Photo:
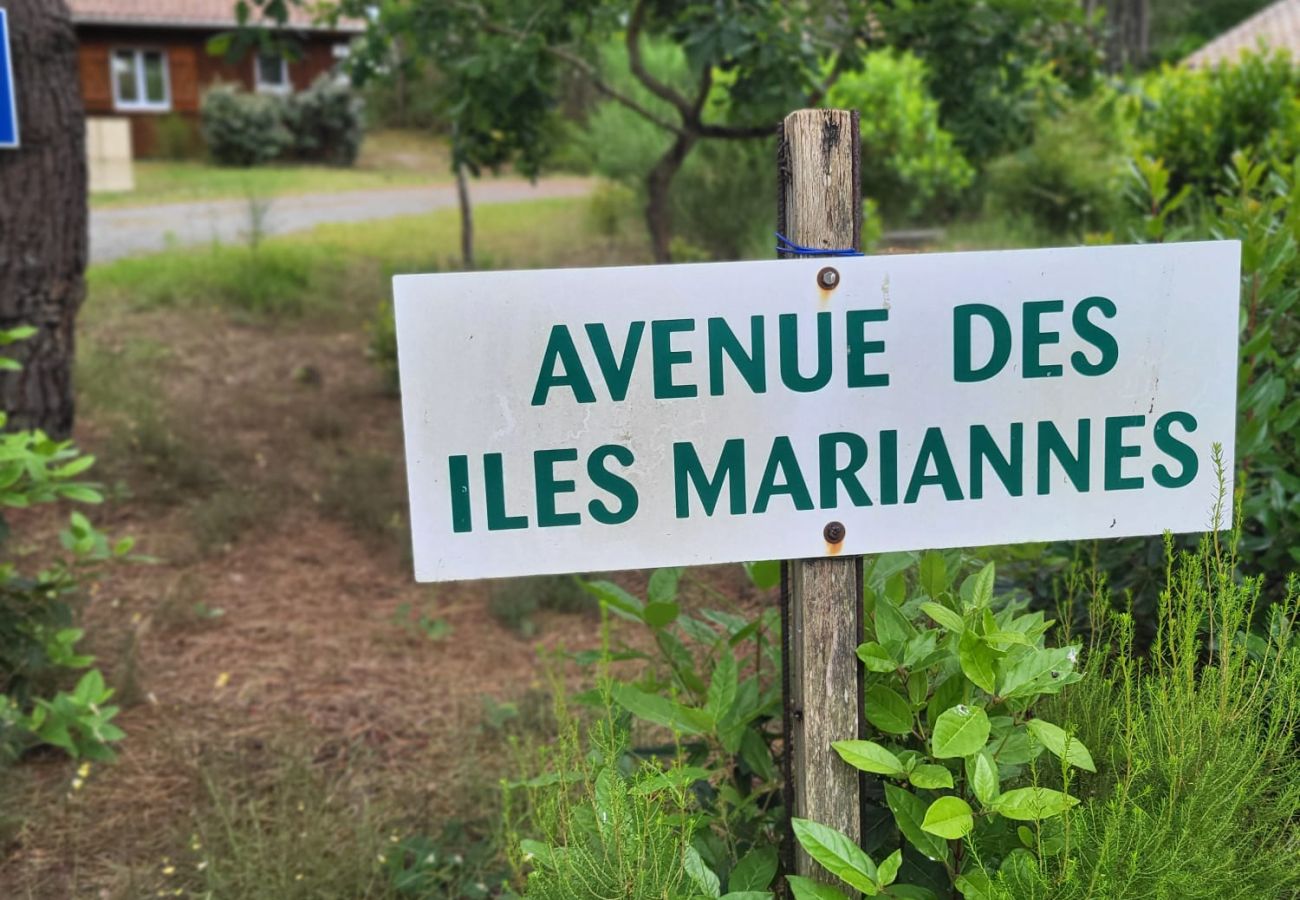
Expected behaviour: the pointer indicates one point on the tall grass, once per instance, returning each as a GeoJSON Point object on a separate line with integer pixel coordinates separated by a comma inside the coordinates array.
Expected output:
{"type": "Point", "coordinates": [1199, 788]}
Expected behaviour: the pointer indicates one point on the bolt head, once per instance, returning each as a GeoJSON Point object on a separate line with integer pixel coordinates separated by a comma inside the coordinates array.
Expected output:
{"type": "Point", "coordinates": [828, 278]}
{"type": "Point", "coordinates": [833, 532]}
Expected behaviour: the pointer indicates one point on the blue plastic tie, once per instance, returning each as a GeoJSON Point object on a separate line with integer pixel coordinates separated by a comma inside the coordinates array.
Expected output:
{"type": "Point", "coordinates": [785, 245]}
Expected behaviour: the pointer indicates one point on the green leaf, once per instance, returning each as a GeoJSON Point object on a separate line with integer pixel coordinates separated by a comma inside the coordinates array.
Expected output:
{"type": "Point", "coordinates": [1038, 672]}
{"type": "Point", "coordinates": [616, 600]}
{"type": "Point", "coordinates": [977, 660]}
{"type": "Point", "coordinates": [909, 812]}
{"type": "Point", "coordinates": [975, 885]}
{"type": "Point", "coordinates": [661, 615]}
{"type": "Point", "coordinates": [949, 817]}
{"type": "Point", "coordinates": [764, 575]}
{"type": "Point", "coordinates": [982, 775]}
{"type": "Point", "coordinates": [755, 870]}
{"type": "Point", "coordinates": [807, 889]}
{"type": "Point", "coordinates": [660, 710]}
{"type": "Point", "coordinates": [960, 731]}
{"type": "Point", "coordinates": [934, 574]}
{"type": "Point", "coordinates": [837, 854]}
{"type": "Point", "coordinates": [757, 755]}
{"type": "Point", "coordinates": [868, 756]}
{"type": "Point", "coordinates": [1032, 803]}
{"type": "Point", "coordinates": [701, 874]}
{"type": "Point", "coordinates": [672, 778]}
{"type": "Point", "coordinates": [663, 585]}
{"type": "Point", "coordinates": [930, 777]}
{"type": "Point", "coordinates": [747, 895]}
{"type": "Point", "coordinates": [944, 616]}
{"type": "Point", "coordinates": [887, 710]}
{"type": "Point", "coordinates": [722, 686]}
{"type": "Point", "coordinates": [893, 630]}
{"type": "Point", "coordinates": [888, 870]}
{"type": "Point", "coordinates": [981, 592]}
{"type": "Point", "coordinates": [1061, 745]}
{"type": "Point", "coordinates": [876, 658]}
{"type": "Point", "coordinates": [80, 492]}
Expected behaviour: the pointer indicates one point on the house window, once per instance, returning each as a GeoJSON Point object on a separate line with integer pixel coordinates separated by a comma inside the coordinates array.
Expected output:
{"type": "Point", "coordinates": [272, 74]}
{"type": "Point", "coordinates": [140, 80]}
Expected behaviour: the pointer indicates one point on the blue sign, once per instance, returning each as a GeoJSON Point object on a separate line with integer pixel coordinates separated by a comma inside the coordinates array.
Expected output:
{"type": "Point", "coordinates": [8, 109]}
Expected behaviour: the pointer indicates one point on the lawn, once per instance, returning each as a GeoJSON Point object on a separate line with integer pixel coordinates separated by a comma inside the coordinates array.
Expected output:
{"type": "Point", "coordinates": [388, 159]}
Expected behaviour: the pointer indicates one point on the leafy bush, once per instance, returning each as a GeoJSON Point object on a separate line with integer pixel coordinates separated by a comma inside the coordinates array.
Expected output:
{"type": "Point", "coordinates": [243, 129]}
{"type": "Point", "coordinates": [175, 138]}
{"type": "Point", "coordinates": [954, 686]}
{"type": "Point", "coordinates": [910, 164]}
{"type": "Point", "coordinates": [1195, 120]}
{"type": "Point", "coordinates": [325, 121]}
{"type": "Point", "coordinates": [38, 633]}
{"type": "Point", "coordinates": [320, 124]}
{"type": "Point", "coordinates": [1069, 179]}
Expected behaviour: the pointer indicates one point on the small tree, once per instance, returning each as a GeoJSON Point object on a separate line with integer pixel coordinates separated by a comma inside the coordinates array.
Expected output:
{"type": "Point", "coordinates": [43, 218]}
{"type": "Point", "coordinates": [506, 63]}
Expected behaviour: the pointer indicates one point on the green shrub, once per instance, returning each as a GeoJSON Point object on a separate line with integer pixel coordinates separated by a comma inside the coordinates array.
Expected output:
{"type": "Point", "coordinates": [1198, 794]}
{"type": "Point", "coordinates": [325, 121]}
{"type": "Point", "coordinates": [910, 164]}
{"type": "Point", "coordinates": [1069, 179]}
{"type": "Point", "coordinates": [243, 129]}
{"type": "Point", "coordinates": [1194, 120]}
{"type": "Point", "coordinates": [38, 633]}
{"type": "Point", "coordinates": [176, 139]}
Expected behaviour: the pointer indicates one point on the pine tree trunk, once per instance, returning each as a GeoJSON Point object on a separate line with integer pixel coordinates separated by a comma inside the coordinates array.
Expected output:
{"type": "Point", "coordinates": [43, 224]}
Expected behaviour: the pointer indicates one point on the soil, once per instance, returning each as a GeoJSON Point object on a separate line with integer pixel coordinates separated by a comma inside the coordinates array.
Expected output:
{"type": "Point", "coordinates": [282, 602]}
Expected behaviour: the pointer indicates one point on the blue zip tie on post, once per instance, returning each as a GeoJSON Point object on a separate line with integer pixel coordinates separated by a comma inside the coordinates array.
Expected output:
{"type": "Point", "coordinates": [785, 245]}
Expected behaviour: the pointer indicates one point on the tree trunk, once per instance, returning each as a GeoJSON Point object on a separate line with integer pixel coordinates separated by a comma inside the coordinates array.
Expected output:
{"type": "Point", "coordinates": [466, 218]}
{"type": "Point", "coordinates": [659, 182]}
{"type": "Point", "coordinates": [43, 216]}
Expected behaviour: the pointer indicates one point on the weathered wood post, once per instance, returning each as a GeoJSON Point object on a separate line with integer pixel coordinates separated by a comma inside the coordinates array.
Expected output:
{"type": "Point", "coordinates": [820, 206]}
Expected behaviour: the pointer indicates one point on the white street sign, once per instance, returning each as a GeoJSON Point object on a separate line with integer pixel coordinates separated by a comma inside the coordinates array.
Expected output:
{"type": "Point", "coordinates": [590, 419]}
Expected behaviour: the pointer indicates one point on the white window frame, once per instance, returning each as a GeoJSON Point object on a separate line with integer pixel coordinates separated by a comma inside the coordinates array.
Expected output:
{"type": "Point", "coordinates": [143, 103]}
{"type": "Point", "coordinates": [267, 87]}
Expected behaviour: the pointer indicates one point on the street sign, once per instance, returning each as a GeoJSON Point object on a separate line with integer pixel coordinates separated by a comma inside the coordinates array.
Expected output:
{"type": "Point", "coordinates": [591, 419]}
{"type": "Point", "coordinates": [8, 109]}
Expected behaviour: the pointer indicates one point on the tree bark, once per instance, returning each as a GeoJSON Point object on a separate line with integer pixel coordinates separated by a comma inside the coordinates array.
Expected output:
{"type": "Point", "coordinates": [658, 208]}
{"type": "Point", "coordinates": [43, 219]}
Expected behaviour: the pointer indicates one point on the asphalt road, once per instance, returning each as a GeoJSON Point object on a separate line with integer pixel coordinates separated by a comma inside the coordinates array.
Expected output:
{"type": "Point", "coordinates": [130, 231]}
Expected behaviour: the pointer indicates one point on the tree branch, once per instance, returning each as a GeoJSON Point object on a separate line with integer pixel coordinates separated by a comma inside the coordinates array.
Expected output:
{"type": "Point", "coordinates": [637, 64]}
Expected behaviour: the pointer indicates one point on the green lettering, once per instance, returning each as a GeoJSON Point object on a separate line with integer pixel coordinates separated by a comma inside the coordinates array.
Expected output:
{"type": "Point", "coordinates": [963, 318]}
{"type": "Point", "coordinates": [782, 462]}
{"type": "Point", "coordinates": [665, 357]}
{"type": "Point", "coordinates": [687, 468]}
{"type": "Point", "coordinates": [1176, 449]}
{"type": "Point", "coordinates": [751, 366]}
{"type": "Point", "coordinates": [560, 349]}
{"type": "Point", "coordinates": [888, 468]}
{"type": "Point", "coordinates": [617, 373]}
{"type": "Point", "coordinates": [1076, 466]}
{"type": "Point", "coordinates": [461, 518]}
{"type": "Point", "coordinates": [1099, 337]}
{"type": "Point", "coordinates": [548, 486]}
{"type": "Point", "coordinates": [494, 483]}
{"type": "Point", "coordinates": [790, 376]}
{"type": "Point", "coordinates": [1010, 469]}
{"type": "Point", "coordinates": [1117, 451]}
{"type": "Point", "coordinates": [856, 321]}
{"type": "Point", "coordinates": [1036, 338]}
{"type": "Point", "coordinates": [616, 485]}
{"type": "Point", "coordinates": [933, 448]}
{"type": "Point", "coordinates": [832, 474]}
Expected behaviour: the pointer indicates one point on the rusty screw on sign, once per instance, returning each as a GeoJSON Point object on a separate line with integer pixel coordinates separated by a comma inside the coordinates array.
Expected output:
{"type": "Point", "coordinates": [828, 278]}
{"type": "Point", "coordinates": [833, 532]}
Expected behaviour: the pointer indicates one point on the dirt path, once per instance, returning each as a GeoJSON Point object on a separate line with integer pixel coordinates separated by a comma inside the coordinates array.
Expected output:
{"type": "Point", "coordinates": [129, 231]}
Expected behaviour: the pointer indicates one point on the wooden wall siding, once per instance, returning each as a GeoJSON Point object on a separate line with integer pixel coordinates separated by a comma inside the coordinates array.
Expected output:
{"type": "Point", "coordinates": [191, 70]}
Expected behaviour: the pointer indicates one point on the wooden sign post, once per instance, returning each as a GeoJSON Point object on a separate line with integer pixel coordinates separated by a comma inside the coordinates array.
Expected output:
{"type": "Point", "coordinates": [820, 207]}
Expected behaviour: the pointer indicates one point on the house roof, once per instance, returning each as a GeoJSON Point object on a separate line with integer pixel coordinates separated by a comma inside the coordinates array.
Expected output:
{"type": "Point", "coordinates": [192, 14]}
{"type": "Point", "coordinates": [1276, 27]}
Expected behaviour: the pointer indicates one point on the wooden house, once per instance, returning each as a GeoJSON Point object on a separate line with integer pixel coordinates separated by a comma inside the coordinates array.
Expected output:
{"type": "Point", "coordinates": [148, 60]}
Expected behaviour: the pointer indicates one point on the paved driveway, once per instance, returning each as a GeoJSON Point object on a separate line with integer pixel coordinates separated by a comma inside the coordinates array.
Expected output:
{"type": "Point", "coordinates": [129, 231]}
